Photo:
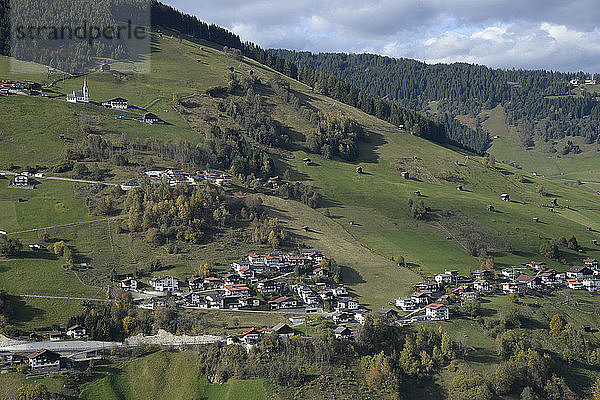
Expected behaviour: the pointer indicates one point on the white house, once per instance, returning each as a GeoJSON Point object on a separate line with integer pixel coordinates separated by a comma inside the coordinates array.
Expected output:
{"type": "Point", "coordinates": [514, 287]}
{"type": "Point", "coordinates": [164, 283]}
{"type": "Point", "coordinates": [80, 96]}
{"type": "Point", "coordinates": [592, 284]}
{"type": "Point", "coordinates": [482, 286]}
{"type": "Point", "coordinates": [347, 304]}
{"type": "Point", "coordinates": [44, 361]}
{"type": "Point", "coordinates": [406, 303]}
{"type": "Point", "coordinates": [21, 180]}
{"type": "Point", "coordinates": [77, 332]}
{"type": "Point", "coordinates": [579, 272]}
{"type": "Point", "coordinates": [118, 103]}
{"type": "Point", "coordinates": [129, 283]}
{"type": "Point", "coordinates": [437, 312]}
{"type": "Point", "coordinates": [444, 279]}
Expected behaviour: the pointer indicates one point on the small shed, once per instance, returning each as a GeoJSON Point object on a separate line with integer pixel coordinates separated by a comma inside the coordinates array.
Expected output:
{"type": "Point", "coordinates": [405, 175]}
{"type": "Point", "coordinates": [307, 161]}
{"type": "Point", "coordinates": [359, 170]}
{"type": "Point", "coordinates": [505, 197]}
{"type": "Point", "coordinates": [536, 219]}
{"type": "Point", "coordinates": [594, 242]}
{"type": "Point", "coordinates": [490, 208]}
{"type": "Point", "coordinates": [553, 201]}
{"type": "Point", "coordinates": [418, 193]}
{"type": "Point", "coordinates": [459, 188]}
{"type": "Point", "coordinates": [589, 228]}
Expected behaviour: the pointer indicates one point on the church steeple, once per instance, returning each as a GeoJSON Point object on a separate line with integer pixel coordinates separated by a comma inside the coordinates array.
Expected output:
{"type": "Point", "coordinates": [86, 94]}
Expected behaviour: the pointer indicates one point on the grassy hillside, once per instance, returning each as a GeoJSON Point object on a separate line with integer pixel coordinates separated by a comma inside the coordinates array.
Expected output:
{"type": "Point", "coordinates": [376, 202]}
{"type": "Point", "coordinates": [584, 167]}
{"type": "Point", "coordinates": [169, 375]}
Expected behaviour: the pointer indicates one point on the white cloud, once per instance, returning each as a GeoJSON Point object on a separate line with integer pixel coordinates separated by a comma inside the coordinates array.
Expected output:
{"type": "Point", "coordinates": [549, 34]}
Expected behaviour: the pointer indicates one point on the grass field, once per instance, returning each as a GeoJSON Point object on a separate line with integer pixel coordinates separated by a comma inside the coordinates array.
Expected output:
{"type": "Point", "coordinates": [585, 167]}
{"type": "Point", "coordinates": [172, 375]}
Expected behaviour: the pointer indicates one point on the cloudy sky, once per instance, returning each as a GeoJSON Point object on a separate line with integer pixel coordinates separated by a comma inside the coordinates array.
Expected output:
{"type": "Point", "coordinates": [540, 34]}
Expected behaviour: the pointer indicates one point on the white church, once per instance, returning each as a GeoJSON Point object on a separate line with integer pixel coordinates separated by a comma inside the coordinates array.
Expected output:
{"type": "Point", "coordinates": [80, 96]}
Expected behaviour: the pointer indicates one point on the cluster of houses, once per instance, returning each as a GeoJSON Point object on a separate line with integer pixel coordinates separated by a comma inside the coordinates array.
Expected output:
{"type": "Point", "coordinates": [19, 87]}
{"type": "Point", "coordinates": [429, 300]}
{"type": "Point", "coordinates": [257, 282]}
{"type": "Point", "coordinates": [24, 180]}
{"type": "Point", "coordinates": [176, 177]}
{"type": "Point", "coordinates": [584, 277]}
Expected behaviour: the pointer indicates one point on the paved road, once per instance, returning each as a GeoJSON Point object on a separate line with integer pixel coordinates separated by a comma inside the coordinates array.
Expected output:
{"type": "Point", "coordinates": [70, 224]}
{"type": "Point", "coordinates": [59, 178]}
{"type": "Point", "coordinates": [37, 296]}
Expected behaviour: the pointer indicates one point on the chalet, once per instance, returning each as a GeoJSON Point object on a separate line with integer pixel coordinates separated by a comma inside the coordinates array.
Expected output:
{"type": "Point", "coordinates": [406, 303]}
{"type": "Point", "coordinates": [532, 282]}
{"type": "Point", "coordinates": [249, 302]}
{"type": "Point", "coordinates": [574, 284]}
{"type": "Point", "coordinates": [320, 272]}
{"type": "Point", "coordinates": [386, 313]}
{"type": "Point", "coordinates": [129, 284]}
{"type": "Point", "coordinates": [194, 299]}
{"type": "Point", "coordinates": [579, 273]}
{"type": "Point", "coordinates": [325, 294]}
{"type": "Point", "coordinates": [347, 304]}
{"type": "Point", "coordinates": [164, 283]}
{"type": "Point", "coordinates": [514, 287]}
{"type": "Point", "coordinates": [54, 336]}
{"type": "Point", "coordinates": [231, 279]}
{"type": "Point", "coordinates": [592, 284]}
{"type": "Point", "coordinates": [342, 317]}
{"type": "Point", "coordinates": [548, 276]}
{"type": "Point", "coordinates": [80, 96]}
{"type": "Point", "coordinates": [591, 263]}
{"type": "Point", "coordinates": [252, 335]}
{"type": "Point", "coordinates": [282, 302]}
{"type": "Point", "coordinates": [44, 361]}
{"type": "Point", "coordinates": [150, 118]}
{"type": "Point", "coordinates": [482, 286]}
{"type": "Point", "coordinates": [267, 287]}
{"type": "Point", "coordinates": [21, 180]}
{"type": "Point", "coordinates": [420, 298]}
{"type": "Point", "coordinates": [77, 332]}
{"type": "Point", "coordinates": [536, 265]}
{"type": "Point", "coordinates": [195, 283]}
{"type": "Point", "coordinates": [468, 297]}
{"type": "Point", "coordinates": [343, 332]}
{"type": "Point", "coordinates": [212, 282]}
{"type": "Point", "coordinates": [482, 274]}
{"type": "Point", "coordinates": [283, 329]}
{"type": "Point", "coordinates": [237, 291]}
{"type": "Point", "coordinates": [430, 285]}
{"type": "Point", "coordinates": [437, 312]}
{"type": "Point", "coordinates": [118, 103]}
{"type": "Point", "coordinates": [443, 279]}
{"type": "Point", "coordinates": [360, 315]}
{"type": "Point", "coordinates": [510, 273]}
{"type": "Point", "coordinates": [215, 301]}
{"type": "Point", "coordinates": [338, 291]}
